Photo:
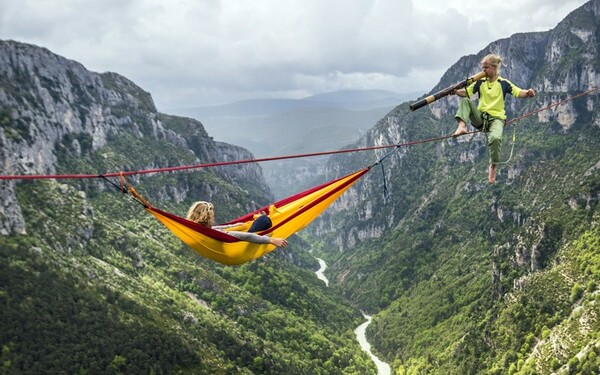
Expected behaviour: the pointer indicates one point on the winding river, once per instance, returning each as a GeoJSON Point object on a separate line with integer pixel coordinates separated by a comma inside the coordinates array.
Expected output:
{"type": "Point", "coordinates": [382, 367]}
{"type": "Point", "coordinates": [320, 273]}
{"type": "Point", "coordinates": [360, 331]}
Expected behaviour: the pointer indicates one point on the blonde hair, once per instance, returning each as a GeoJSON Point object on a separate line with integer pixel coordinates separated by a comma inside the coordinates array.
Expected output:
{"type": "Point", "coordinates": [493, 60]}
{"type": "Point", "coordinates": [202, 213]}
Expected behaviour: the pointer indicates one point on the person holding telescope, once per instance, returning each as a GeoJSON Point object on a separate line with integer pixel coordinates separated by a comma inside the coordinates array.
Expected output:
{"type": "Point", "coordinates": [489, 116]}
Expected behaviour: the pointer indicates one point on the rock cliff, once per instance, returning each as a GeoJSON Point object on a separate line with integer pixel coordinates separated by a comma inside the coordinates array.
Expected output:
{"type": "Point", "coordinates": [557, 64]}
{"type": "Point", "coordinates": [53, 110]}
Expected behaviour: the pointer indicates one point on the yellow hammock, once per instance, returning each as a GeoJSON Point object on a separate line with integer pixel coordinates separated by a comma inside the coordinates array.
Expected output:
{"type": "Point", "coordinates": [288, 216]}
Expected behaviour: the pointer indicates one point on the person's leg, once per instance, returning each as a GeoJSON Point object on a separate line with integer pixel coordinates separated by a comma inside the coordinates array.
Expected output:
{"type": "Point", "coordinates": [492, 174]}
{"type": "Point", "coordinates": [495, 145]}
{"type": "Point", "coordinates": [263, 222]}
{"type": "Point", "coordinates": [467, 111]}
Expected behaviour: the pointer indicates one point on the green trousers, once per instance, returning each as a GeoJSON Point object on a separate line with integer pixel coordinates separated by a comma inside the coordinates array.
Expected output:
{"type": "Point", "coordinates": [467, 111]}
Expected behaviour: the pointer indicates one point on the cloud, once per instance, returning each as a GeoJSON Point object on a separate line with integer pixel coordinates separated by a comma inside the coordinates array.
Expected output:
{"type": "Point", "coordinates": [191, 53]}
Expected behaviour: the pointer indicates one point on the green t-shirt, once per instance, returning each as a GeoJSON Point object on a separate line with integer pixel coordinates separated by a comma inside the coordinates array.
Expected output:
{"type": "Point", "coordinates": [492, 94]}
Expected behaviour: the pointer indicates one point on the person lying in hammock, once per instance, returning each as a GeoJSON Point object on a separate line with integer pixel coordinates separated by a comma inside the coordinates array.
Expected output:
{"type": "Point", "coordinates": [203, 213]}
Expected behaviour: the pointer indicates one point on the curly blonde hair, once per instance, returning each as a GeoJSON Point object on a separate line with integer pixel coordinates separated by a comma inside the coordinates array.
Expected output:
{"type": "Point", "coordinates": [202, 213]}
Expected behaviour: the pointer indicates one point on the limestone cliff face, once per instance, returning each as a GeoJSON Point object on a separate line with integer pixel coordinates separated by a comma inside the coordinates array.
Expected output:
{"type": "Point", "coordinates": [557, 64]}
{"type": "Point", "coordinates": [51, 106]}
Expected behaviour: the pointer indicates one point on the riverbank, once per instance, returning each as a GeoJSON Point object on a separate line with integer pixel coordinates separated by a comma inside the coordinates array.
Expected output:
{"type": "Point", "coordinates": [321, 271]}
{"type": "Point", "coordinates": [360, 331]}
{"type": "Point", "coordinates": [361, 335]}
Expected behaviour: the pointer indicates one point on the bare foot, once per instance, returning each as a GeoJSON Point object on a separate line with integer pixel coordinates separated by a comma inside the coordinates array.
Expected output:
{"type": "Point", "coordinates": [492, 174]}
{"type": "Point", "coordinates": [461, 130]}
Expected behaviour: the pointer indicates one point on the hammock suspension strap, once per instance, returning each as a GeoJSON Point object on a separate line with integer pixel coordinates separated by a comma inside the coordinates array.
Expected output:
{"type": "Point", "coordinates": [118, 187]}
{"type": "Point", "coordinates": [126, 188]}
{"type": "Point", "coordinates": [380, 161]}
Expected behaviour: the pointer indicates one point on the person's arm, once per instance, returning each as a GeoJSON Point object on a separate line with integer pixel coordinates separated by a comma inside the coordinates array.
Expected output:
{"type": "Point", "coordinates": [225, 226]}
{"type": "Point", "coordinates": [460, 92]}
{"type": "Point", "coordinates": [255, 238]}
{"type": "Point", "coordinates": [466, 92]}
{"type": "Point", "coordinates": [530, 93]}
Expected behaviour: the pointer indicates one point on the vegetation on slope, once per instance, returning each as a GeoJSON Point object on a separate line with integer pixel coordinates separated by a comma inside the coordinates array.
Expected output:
{"type": "Point", "coordinates": [475, 278]}
{"type": "Point", "coordinates": [97, 285]}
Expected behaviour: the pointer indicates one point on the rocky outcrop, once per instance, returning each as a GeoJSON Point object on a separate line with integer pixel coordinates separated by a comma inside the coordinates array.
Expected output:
{"type": "Point", "coordinates": [557, 64]}
{"type": "Point", "coordinates": [50, 106]}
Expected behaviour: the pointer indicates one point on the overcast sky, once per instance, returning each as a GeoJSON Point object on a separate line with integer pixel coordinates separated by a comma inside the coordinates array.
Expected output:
{"type": "Point", "coordinates": [189, 53]}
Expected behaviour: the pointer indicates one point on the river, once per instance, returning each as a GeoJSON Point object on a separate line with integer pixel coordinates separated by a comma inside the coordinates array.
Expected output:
{"type": "Point", "coordinates": [360, 331]}
{"type": "Point", "coordinates": [320, 273]}
{"type": "Point", "coordinates": [382, 367]}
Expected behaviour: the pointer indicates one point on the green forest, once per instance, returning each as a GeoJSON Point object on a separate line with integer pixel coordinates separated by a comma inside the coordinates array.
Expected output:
{"type": "Point", "coordinates": [131, 299]}
{"type": "Point", "coordinates": [506, 280]}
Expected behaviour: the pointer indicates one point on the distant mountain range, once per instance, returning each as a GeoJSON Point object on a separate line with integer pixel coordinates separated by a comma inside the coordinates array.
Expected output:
{"type": "Point", "coordinates": [263, 125]}
{"type": "Point", "coordinates": [356, 100]}
{"type": "Point", "coordinates": [274, 127]}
